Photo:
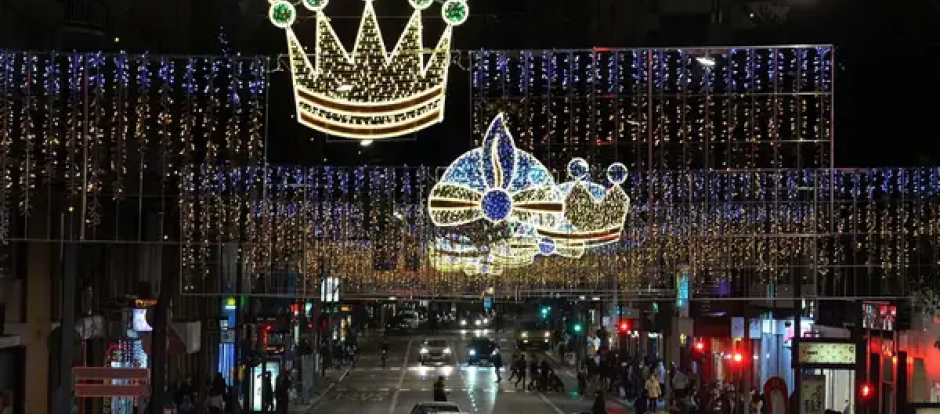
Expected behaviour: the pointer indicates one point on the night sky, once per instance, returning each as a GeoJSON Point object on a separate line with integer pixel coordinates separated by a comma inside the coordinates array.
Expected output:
{"type": "Point", "coordinates": [885, 82]}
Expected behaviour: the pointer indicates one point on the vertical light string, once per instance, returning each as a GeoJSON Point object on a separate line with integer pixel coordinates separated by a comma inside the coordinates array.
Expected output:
{"type": "Point", "coordinates": [119, 124]}
{"type": "Point", "coordinates": [96, 138]}
{"type": "Point", "coordinates": [27, 130]}
{"type": "Point", "coordinates": [7, 86]}
{"type": "Point", "coordinates": [51, 124]}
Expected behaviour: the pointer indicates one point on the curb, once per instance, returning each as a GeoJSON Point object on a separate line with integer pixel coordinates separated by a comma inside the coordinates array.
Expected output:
{"type": "Point", "coordinates": [316, 400]}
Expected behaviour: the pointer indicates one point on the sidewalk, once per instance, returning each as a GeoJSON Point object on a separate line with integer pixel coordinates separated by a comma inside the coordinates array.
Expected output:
{"type": "Point", "coordinates": [324, 385]}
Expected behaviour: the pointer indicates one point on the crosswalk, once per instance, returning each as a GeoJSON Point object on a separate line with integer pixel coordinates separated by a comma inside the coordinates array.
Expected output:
{"type": "Point", "coordinates": [429, 389]}
{"type": "Point", "coordinates": [424, 368]}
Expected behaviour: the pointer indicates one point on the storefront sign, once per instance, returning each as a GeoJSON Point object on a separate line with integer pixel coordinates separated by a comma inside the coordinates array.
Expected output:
{"type": "Point", "coordinates": [879, 316]}
{"type": "Point", "coordinates": [826, 353]}
{"type": "Point", "coordinates": [813, 394]}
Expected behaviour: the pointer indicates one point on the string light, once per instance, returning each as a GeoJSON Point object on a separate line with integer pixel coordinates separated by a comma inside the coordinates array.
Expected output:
{"type": "Point", "coordinates": [368, 93]}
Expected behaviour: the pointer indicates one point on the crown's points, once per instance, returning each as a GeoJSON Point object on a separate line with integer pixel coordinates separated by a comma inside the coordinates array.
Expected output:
{"type": "Point", "coordinates": [587, 214]}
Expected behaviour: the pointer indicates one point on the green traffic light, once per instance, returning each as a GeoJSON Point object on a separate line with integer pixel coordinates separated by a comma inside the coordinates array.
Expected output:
{"type": "Point", "coordinates": [577, 327]}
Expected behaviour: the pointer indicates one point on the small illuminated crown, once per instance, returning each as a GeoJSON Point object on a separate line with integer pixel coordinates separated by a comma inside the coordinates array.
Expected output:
{"type": "Point", "coordinates": [369, 93]}
{"type": "Point", "coordinates": [596, 215]}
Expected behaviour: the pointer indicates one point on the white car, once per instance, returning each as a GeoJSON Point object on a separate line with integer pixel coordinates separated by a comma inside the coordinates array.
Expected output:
{"type": "Point", "coordinates": [435, 407]}
{"type": "Point", "coordinates": [475, 322]}
{"type": "Point", "coordinates": [411, 318]}
{"type": "Point", "coordinates": [435, 351]}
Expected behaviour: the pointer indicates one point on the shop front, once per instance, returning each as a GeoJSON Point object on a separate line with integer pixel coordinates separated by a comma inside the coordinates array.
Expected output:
{"type": "Point", "coordinates": [12, 371]}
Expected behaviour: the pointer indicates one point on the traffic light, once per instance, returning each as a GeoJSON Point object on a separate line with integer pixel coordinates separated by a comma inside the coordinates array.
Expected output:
{"type": "Point", "coordinates": [545, 310]}
{"type": "Point", "coordinates": [866, 392]}
{"type": "Point", "coordinates": [577, 328]}
{"type": "Point", "coordinates": [737, 357]}
{"type": "Point", "coordinates": [623, 327]}
{"type": "Point", "coordinates": [698, 351]}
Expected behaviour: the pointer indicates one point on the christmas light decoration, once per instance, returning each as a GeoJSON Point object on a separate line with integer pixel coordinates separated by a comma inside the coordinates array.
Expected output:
{"type": "Point", "coordinates": [593, 216]}
{"type": "Point", "coordinates": [369, 93]}
{"type": "Point", "coordinates": [496, 182]}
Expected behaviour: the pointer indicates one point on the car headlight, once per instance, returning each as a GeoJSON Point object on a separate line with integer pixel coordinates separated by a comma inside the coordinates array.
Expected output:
{"type": "Point", "coordinates": [548, 334]}
{"type": "Point", "coordinates": [447, 350]}
{"type": "Point", "coordinates": [473, 352]}
{"type": "Point", "coordinates": [486, 320]}
{"type": "Point", "coordinates": [463, 322]}
{"type": "Point", "coordinates": [525, 334]}
{"type": "Point", "coordinates": [478, 322]}
{"type": "Point", "coordinates": [424, 350]}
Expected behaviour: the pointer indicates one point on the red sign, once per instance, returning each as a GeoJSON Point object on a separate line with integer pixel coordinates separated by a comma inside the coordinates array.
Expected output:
{"type": "Point", "coordinates": [107, 390]}
{"type": "Point", "coordinates": [108, 373]}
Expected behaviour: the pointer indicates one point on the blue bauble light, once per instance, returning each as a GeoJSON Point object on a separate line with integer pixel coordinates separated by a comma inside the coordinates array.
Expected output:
{"type": "Point", "coordinates": [617, 173]}
{"type": "Point", "coordinates": [578, 168]}
{"type": "Point", "coordinates": [496, 205]}
{"type": "Point", "coordinates": [547, 247]}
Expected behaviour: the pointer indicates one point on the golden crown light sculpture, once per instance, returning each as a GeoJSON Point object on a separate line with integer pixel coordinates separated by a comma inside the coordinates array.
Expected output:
{"type": "Point", "coordinates": [368, 93]}
{"type": "Point", "coordinates": [593, 215]}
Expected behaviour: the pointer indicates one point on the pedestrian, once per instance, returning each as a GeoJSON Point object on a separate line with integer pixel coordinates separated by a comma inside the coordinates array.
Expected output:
{"type": "Point", "coordinates": [533, 372]}
{"type": "Point", "coordinates": [282, 392]}
{"type": "Point", "coordinates": [185, 396]}
{"type": "Point", "coordinates": [600, 404]}
{"type": "Point", "coordinates": [582, 382]}
{"type": "Point", "coordinates": [497, 363]}
{"type": "Point", "coordinates": [520, 370]}
{"type": "Point", "coordinates": [439, 394]}
{"type": "Point", "coordinates": [653, 391]}
{"type": "Point", "coordinates": [216, 395]}
{"type": "Point", "coordinates": [514, 367]}
{"type": "Point", "coordinates": [267, 392]}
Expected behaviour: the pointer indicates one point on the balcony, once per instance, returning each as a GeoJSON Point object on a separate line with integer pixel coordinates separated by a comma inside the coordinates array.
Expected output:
{"type": "Point", "coordinates": [89, 17]}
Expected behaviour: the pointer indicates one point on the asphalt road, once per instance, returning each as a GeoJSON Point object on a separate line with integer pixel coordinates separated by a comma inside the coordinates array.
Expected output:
{"type": "Point", "coordinates": [395, 389]}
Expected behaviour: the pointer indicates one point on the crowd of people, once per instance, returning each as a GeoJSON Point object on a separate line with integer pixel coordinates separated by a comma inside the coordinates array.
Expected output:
{"type": "Point", "coordinates": [218, 397]}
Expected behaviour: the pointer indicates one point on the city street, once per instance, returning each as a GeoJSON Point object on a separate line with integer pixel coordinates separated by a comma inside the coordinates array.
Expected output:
{"type": "Point", "coordinates": [395, 389]}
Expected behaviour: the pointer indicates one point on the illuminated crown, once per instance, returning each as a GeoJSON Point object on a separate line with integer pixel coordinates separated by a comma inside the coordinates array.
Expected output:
{"type": "Point", "coordinates": [593, 215]}
{"type": "Point", "coordinates": [369, 93]}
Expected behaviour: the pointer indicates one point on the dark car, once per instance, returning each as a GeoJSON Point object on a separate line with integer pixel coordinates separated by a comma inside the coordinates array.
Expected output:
{"type": "Point", "coordinates": [479, 350]}
{"type": "Point", "coordinates": [533, 335]}
{"type": "Point", "coordinates": [397, 326]}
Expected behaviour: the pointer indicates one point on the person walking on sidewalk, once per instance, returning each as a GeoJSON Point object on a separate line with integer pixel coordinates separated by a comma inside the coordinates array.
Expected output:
{"type": "Point", "coordinates": [497, 363]}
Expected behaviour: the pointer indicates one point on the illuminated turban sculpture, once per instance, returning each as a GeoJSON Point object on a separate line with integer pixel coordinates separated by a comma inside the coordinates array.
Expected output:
{"type": "Point", "coordinates": [496, 182]}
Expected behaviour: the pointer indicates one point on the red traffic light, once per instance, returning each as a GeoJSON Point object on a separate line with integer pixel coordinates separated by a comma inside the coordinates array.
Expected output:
{"type": "Point", "coordinates": [866, 391]}
{"type": "Point", "coordinates": [737, 357]}
{"type": "Point", "coordinates": [699, 346]}
{"type": "Point", "coordinates": [623, 327]}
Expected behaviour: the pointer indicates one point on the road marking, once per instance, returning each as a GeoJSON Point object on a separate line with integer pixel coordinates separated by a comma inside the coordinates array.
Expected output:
{"type": "Point", "coordinates": [551, 404]}
{"type": "Point", "coordinates": [401, 379]}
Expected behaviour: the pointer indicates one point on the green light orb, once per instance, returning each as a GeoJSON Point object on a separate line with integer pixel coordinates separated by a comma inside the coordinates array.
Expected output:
{"type": "Point", "coordinates": [282, 14]}
{"type": "Point", "coordinates": [455, 12]}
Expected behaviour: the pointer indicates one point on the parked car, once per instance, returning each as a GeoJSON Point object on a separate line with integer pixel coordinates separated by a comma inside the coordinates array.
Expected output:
{"type": "Point", "coordinates": [397, 326]}
{"type": "Point", "coordinates": [411, 318]}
